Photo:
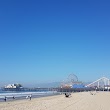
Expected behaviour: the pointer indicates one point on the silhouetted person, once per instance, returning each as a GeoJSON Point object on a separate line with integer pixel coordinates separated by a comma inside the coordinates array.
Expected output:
{"type": "Point", "coordinates": [30, 97]}
{"type": "Point", "coordinates": [5, 98]}
{"type": "Point", "coordinates": [13, 97]}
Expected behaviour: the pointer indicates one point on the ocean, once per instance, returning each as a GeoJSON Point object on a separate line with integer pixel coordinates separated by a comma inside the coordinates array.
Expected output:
{"type": "Point", "coordinates": [22, 95]}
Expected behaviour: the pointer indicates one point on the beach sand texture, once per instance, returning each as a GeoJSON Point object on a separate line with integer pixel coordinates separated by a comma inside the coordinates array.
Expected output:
{"type": "Point", "coordinates": [78, 101]}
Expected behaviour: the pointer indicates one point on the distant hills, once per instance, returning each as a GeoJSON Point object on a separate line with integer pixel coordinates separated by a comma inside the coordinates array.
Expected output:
{"type": "Point", "coordinates": [43, 85]}
{"type": "Point", "coordinates": [51, 84]}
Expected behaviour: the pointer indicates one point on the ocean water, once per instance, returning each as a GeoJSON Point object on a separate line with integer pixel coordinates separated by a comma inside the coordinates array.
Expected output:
{"type": "Point", "coordinates": [22, 95]}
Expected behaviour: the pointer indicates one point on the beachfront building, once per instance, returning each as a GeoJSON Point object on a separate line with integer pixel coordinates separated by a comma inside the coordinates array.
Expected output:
{"type": "Point", "coordinates": [13, 87]}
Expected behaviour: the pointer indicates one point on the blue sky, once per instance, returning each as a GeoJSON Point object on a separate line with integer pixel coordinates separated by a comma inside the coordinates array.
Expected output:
{"type": "Point", "coordinates": [46, 40]}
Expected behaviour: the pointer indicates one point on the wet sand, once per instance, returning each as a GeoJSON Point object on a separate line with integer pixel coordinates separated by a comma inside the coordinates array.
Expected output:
{"type": "Point", "coordinates": [77, 101]}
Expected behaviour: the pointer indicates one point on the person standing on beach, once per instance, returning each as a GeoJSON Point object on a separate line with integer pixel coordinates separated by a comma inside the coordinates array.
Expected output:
{"type": "Point", "coordinates": [30, 97]}
{"type": "Point", "coordinates": [5, 98]}
{"type": "Point", "coordinates": [13, 97]}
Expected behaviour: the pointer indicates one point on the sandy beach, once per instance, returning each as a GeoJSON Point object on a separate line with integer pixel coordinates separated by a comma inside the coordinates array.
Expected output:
{"type": "Point", "coordinates": [77, 101]}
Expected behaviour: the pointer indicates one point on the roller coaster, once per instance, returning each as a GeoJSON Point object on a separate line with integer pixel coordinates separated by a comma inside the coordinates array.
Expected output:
{"type": "Point", "coordinates": [100, 83]}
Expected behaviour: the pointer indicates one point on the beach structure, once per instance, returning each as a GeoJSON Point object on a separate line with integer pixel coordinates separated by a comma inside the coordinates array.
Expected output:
{"type": "Point", "coordinates": [80, 86]}
{"type": "Point", "coordinates": [13, 87]}
{"type": "Point", "coordinates": [102, 83]}
{"type": "Point", "coordinates": [68, 81]}
{"type": "Point", "coordinates": [71, 80]}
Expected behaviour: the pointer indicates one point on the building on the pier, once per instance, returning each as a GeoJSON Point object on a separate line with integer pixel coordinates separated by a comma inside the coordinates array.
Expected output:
{"type": "Point", "coordinates": [13, 87]}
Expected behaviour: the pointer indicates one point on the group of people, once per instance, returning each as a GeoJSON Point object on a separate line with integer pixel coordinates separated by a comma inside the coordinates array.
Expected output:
{"type": "Point", "coordinates": [67, 94]}
{"type": "Point", "coordinates": [30, 97]}
{"type": "Point", "coordinates": [5, 98]}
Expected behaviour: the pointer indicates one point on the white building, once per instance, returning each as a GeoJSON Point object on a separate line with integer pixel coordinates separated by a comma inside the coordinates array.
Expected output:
{"type": "Point", "coordinates": [13, 86]}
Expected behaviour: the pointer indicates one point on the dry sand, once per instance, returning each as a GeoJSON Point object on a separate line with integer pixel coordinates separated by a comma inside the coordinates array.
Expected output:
{"type": "Point", "coordinates": [78, 101]}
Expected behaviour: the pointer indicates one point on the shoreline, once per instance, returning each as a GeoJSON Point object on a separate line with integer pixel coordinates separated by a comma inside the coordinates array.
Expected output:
{"type": "Point", "coordinates": [22, 96]}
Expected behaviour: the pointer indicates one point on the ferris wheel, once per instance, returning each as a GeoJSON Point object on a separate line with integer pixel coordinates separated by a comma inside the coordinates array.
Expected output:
{"type": "Point", "coordinates": [72, 78]}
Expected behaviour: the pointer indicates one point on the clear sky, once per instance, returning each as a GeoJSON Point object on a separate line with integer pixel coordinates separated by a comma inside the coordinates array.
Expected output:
{"type": "Point", "coordinates": [46, 40]}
